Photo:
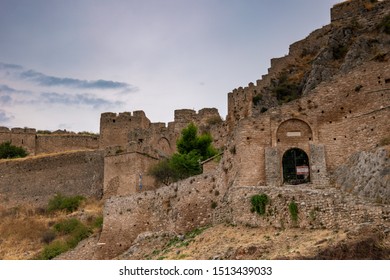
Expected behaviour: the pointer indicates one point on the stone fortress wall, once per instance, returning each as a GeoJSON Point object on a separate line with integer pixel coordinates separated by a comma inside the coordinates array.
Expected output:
{"type": "Point", "coordinates": [341, 117]}
{"type": "Point", "coordinates": [345, 114]}
{"type": "Point", "coordinates": [344, 107]}
{"type": "Point", "coordinates": [33, 181]}
{"type": "Point", "coordinates": [133, 144]}
{"type": "Point", "coordinates": [36, 144]}
{"type": "Point", "coordinates": [335, 120]}
{"type": "Point", "coordinates": [21, 137]}
{"type": "Point", "coordinates": [128, 145]}
{"type": "Point", "coordinates": [206, 199]}
{"type": "Point", "coordinates": [134, 130]}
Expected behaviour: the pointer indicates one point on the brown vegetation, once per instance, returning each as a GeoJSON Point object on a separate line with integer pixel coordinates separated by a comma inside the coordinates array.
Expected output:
{"type": "Point", "coordinates": [244, 242]}
{"type": "Point", "coordinates": [24, 230]}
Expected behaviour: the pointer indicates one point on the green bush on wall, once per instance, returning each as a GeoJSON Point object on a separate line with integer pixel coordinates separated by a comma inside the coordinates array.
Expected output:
{"type": "Point", "coordinates": [293, 209]}
{"type": "Point", "coordinates": [259, 203]}
{"type": "Point", "coordinates": [191, 150]}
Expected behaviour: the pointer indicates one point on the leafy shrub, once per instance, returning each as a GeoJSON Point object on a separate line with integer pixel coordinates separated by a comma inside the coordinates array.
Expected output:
{"type": "Point", "coordinates": [79, 233]}
{"type": "Point", "coordinates": [67, 226]}
{"type": "Point", "coordinates": [10, 151]}
{"type": "Point", "coordinates": [259, 203]}
{"type": "Point", "coordinates": [186, 165]}
{"type": "Point", "coordinates": [98, 223]}
{"type": "Point", "coordinates": [163, 172]}
{"type": "Point", "coordinates": [293, 209]}
{"type": "Point", "coordinates": [60, 202]}
{"type": "Point", "coordinates": [76, 230]}
{"type": "Point", "coordinates": [195, 232]}
{"type": "Point", "coordinates": [190, 142]}
{"type": "Point", "coordinates": [54, 249]}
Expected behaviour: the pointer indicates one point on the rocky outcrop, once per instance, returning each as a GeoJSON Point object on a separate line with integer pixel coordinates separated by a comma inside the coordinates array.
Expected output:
{"type": "Point", "coordinates": [366, 174]}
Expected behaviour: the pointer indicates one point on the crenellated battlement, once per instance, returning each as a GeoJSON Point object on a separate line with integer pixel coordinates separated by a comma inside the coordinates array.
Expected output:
{"type": "Point", "coordinates": [36, 143]}
{"type": "Point", "coordinates": [130, 131]}
{"type": "Point", "coordinates": [23, 130]}
{"type": "Point", "coordinates": [137, 118]}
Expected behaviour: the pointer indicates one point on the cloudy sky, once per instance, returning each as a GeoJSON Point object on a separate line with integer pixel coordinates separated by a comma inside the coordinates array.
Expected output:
{"type": "Point", "coordinates": [64, 62]}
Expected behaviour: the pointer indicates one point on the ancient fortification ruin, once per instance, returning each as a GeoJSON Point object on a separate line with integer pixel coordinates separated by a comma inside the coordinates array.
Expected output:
{"type": "Point", "coordinates": [313, 131]}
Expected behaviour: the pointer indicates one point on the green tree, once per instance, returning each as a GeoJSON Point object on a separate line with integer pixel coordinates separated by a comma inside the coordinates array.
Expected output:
{"type": "Point", "coordinates": [191, 150]}
{"type": "Point", "coordinates": [163, 172]}
{"type": "Point", "coordinates": [10, 151]}
{"type": "Point", "coordinates": [196, 145]}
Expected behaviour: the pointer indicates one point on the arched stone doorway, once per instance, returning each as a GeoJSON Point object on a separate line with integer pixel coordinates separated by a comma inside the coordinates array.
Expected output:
{"type": "Point", "coordinates": [295, 167]}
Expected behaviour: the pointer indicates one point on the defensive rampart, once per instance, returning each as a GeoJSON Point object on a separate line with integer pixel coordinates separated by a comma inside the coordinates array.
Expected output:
{"type": "Point", "coordinates": [35, 180]}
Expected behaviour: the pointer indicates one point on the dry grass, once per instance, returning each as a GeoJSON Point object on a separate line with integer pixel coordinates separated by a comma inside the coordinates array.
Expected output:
{"type": "Point", "coordinates": [44, 155]}
{"type": "Point", "coordinates": [241, 242]}
{"type": "Point", "coordinates": [23, 229]}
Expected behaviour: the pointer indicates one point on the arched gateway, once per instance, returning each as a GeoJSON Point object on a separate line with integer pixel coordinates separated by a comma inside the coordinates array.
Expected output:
{"type": "Point", "coordinates": [295, 167]}
{"type": "Point", "coordinates": [293, 139]}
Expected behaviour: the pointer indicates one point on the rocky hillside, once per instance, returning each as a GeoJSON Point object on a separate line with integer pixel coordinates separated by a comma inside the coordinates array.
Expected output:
{"type": "Point", "coordinates": [245, 243]}
{"type": "Point", "coordinates": [334, 49]}
{"type": "Point", "coordinates": [228, 242]}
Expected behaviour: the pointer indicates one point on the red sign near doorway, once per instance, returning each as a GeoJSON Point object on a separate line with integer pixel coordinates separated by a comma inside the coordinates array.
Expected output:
{"type": "Point", "coordinates": [302, 170]}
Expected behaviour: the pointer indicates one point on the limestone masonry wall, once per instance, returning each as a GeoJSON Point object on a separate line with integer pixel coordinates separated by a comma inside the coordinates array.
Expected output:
{"type": "Point", "coordinates": [114, 128]}
{"type": "Point", "coordinates": [51, 143]}
{"type": "Point", "coordinates": [349, 114]}
{"type": "Point", "coordinates": [127, 173]}
{"type": "Point", "coordinates": [179, 208]}
{"type": "Point", "coordinates": [22, 137]}
{"type": "Point", "coordinates": [61, 143]}
{"type": "Point", "coordinates": [205, 200]}
{"type": "Point", "coordinates": [35, 180]}
{"type": "Point", "coordinates": [316, 208]}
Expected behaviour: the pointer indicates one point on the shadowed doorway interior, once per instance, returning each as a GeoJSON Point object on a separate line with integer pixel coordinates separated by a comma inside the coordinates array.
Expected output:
{"type": "Point", "coordinates": [295, 167]}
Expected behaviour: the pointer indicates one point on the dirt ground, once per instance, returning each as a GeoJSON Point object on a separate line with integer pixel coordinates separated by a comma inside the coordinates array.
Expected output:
{"type": "Point", "coordinates": [22, 231]}
{"type": "Point", "coordinates": [243, 243]}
